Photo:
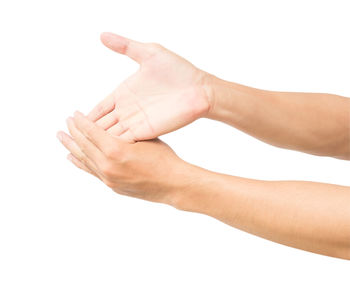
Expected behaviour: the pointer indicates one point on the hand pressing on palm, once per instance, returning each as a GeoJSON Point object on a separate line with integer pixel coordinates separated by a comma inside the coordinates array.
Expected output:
{"type": "Point", "coordinates": [165, 94]}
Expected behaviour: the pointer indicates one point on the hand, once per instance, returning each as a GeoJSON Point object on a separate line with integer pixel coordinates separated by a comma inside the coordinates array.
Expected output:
{"type": "Point", "coordinates": [165, 94]}
{"type": "Point", "coordinates": [149, 170]}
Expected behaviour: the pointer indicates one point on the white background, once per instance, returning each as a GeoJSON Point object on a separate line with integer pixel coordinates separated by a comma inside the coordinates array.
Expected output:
{"type": "Point", "coordinates": [61, 227]}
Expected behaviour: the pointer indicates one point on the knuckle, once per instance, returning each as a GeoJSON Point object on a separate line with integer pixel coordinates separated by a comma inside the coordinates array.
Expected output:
{"type": "Point", "coordinates": [110, 152]}
{"type": "Point", "coordinates": [124, 159]}
{"type": "Point", "coordinates": [113, 152]}
{"type": "Point", "coordinates": [112, 155]}
{"type": "Point", "coordinates": [83, 159]}
{"type": "Point", "coordinates": [100, 109]}
{"type": "Point", "coordinates": [107, 169]}
{"type": "Point", "coordinates": [155, 46]}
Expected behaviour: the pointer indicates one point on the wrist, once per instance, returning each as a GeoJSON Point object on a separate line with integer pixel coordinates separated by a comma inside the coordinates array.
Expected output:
{"type": "Point", "coordinates": [230, 102]}
{"type": "Point", "coordinates": [212, 86]}
{"type": "Point", "coordinates": [181, 183]}
{"type": "Point", "coordinates": [218, 91]}
{"type": "Point", "coordinates": [192, 189]}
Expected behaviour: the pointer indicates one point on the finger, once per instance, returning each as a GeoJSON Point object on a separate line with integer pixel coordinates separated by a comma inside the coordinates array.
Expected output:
{"type": "Point", "coordinates": [79, 164]}
{"type": "Point", "coordinates": [116, 130]}
{"type": "Point", "coordinates": [135, 50]}
{"type": "Point", "coordinates": [73, 148]}
{"type": "Point", "coordinates": [108, 120]}
{"type": "Point", "coordinates": [128, 136]}
{"type": "Point", "coordinates": [103, 108]}
{"type": "Point", "coordinates": [87, 147]}
{"type": "Point", "coordinates": [95, 134]}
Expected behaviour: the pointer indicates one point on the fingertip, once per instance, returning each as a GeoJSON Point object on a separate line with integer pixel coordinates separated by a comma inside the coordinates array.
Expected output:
{"type": "Point", "coordinates": [79, 114]}
{"type": "Point", "coordinates": [59, 135]}
{"type": "Point", "coordinates": [104, 35]}
{"type": "Point", "coordinates": [69, 120]}
{"type": "Point", "coordinates": [114, 42]}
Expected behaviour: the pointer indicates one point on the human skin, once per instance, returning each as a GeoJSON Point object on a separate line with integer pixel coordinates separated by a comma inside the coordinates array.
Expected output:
{"type": "Point", "coordinates": [108, 144]}
{"type": "Point", "coordinates": [306, 215]}
{"type": "Point", "coordinates": [168, 92]}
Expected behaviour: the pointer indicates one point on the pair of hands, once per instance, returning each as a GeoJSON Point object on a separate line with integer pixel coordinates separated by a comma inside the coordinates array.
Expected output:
{"type": "Point", "coordinates": [113, 142]}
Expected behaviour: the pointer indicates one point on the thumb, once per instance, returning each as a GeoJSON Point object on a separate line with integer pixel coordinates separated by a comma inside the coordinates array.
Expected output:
{"type": "Point", "coordinates": [135, 50]}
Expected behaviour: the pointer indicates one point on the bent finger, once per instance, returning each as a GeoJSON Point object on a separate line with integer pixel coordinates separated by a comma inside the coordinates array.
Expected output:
{"type": "Point", "coordinates": [98, 136]}
{"type": "Point", "coordinates": [102, 108]}
{"type": "Point", "coordinates": [108, 120]}
{"type": "Point", "coordinates": [117, 129]}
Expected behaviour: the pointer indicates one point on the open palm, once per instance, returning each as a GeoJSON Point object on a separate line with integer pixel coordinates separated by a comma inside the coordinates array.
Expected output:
{"type": "Point", "coordinates": [166, 93]}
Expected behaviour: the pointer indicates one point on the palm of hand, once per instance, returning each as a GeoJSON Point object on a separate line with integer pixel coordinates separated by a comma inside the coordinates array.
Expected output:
{"type": "Point", "coordinates": [166, 93]}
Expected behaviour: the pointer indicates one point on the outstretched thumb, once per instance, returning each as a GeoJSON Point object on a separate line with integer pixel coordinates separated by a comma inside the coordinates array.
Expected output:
{"type": "Point", "coordinates": [135, 50]}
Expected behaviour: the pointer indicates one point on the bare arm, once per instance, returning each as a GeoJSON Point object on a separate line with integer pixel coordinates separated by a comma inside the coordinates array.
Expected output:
{"type": "Point", "coordinates": [306, 215]}
{"type": "Point", "coordinates": [158, 99]}
{"type": "Point", "coordinates": [310, 122]}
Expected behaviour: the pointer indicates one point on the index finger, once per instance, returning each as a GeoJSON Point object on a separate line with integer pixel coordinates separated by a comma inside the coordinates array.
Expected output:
{"type": "Point", "coordinates": [97, 135]}
{"type": "Point", "coordinates": [104, 107]}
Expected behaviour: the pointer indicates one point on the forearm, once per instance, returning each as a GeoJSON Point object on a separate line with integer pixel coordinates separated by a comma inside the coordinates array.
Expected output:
{"type": "Point", "coordinates": [309, 122]}
{"type": "Point", "coordinates": [306, 215]}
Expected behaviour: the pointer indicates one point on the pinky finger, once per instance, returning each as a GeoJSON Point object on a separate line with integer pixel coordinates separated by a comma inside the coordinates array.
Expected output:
{"type": "Point", "coordinates": [80, 165]}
